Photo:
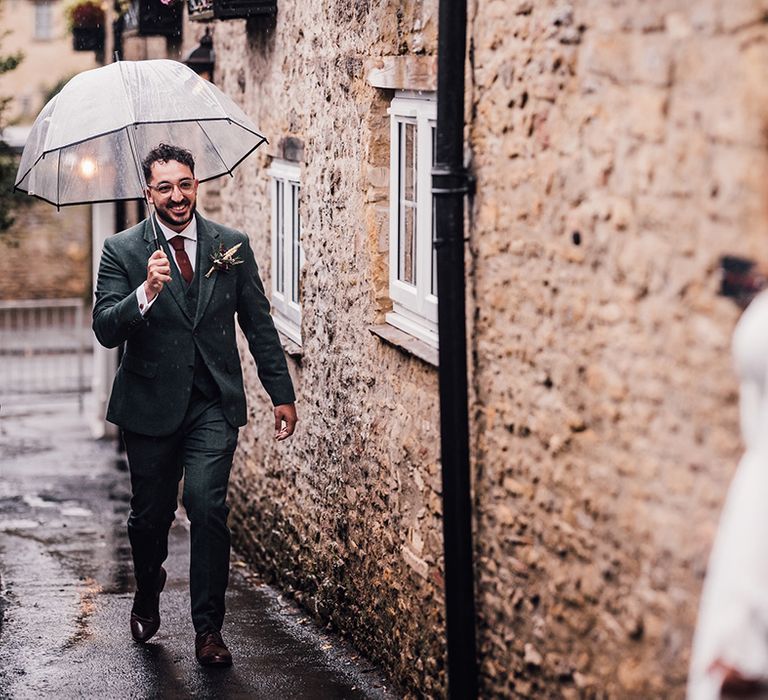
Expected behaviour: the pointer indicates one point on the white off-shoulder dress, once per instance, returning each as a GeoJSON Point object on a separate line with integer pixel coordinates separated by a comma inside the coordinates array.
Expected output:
{"type": "Point", "coordinates": [733, 616]}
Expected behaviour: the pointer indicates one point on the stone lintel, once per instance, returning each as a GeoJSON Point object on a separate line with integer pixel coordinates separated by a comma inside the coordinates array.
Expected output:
{"type": "Point", "coordinates": [402, 72]}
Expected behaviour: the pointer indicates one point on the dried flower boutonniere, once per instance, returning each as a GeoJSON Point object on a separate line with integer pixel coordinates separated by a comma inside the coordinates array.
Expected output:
{"type": "Point", "coordinates": [224, 259]}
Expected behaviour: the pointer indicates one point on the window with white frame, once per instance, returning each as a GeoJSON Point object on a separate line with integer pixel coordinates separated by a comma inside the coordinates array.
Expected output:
{"type": "Point", "coordinates": [287, 255]}
{"type": "Point", "coordinates": [412, 261]}
{"type": "Point", "coordinates": [43, 20]}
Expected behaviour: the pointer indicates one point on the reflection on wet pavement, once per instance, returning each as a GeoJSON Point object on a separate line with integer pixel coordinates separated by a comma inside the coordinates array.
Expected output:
{"type": "Point", "coordinates": [66, 589]}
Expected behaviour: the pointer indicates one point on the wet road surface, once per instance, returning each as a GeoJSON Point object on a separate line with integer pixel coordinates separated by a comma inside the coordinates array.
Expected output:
{"type": "Point", "coordinates": [66, 588]}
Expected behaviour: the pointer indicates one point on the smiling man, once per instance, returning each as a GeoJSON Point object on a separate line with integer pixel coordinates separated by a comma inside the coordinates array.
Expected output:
{"type": "Point", "coordinates": [178, 392]}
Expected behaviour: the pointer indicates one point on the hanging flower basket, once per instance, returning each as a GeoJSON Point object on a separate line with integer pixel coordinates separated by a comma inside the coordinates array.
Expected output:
{"type": "Point", "coordinates": [153, 18]}
{"type": "Point", "coordinates": [230, 9]}
{"type": "Point", "coordinates": [85, 19]}
{"type": "Point", "coordinates": [88, 38]}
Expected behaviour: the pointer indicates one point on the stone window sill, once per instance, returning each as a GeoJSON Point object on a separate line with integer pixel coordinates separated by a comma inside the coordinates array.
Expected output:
{"type": "Point", "coordinates": [406, 343]}
{"type": "Point", "coordinates": [291, 347]}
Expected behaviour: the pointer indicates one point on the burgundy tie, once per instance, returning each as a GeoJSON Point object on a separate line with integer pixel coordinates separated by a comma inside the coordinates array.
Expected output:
{"type": "Point", "coordinates": [182, 259]}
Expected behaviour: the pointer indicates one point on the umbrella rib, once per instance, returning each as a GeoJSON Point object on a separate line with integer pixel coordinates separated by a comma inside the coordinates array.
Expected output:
{"type": "Point", "coordinates": [136, 161]}
{"type": "Point", "coordinates": [58, 181]}
{"type": "Point", "coordinates": [16, 187]}
{"type": "Point", "coordinates": [84, 201]}
{"type": "Point", "coordinates": [213, 177]}
{"type": "Point", "coordinates": [131, 143]}
{"type": "Point", "coordinates": [126, 91]}
{"type": "Point", "coordinates": [210, 140]}
{"type": "Point", "coordinates": [51, 116]}
{"type": "Point", "coordinates": [140, 123]}
{"type": "Point", "coordinates": [143, 183]}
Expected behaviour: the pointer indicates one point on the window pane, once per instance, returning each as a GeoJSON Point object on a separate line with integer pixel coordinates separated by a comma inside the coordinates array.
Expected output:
{"type": "Point", "coordinates": [409, 161]}
{"type": "Point", "coordinates": [406, 239]}
{"type": "Point", "coordinates": [280, 207]}
{"type": "Point", "coordinates": [407, 245]}
{"type": "Point", "coordinates": [43, 20]}
{"type": "Point", "coordinates": [296, 242]}
{"type": "Point", "coordinates": [433, 286]}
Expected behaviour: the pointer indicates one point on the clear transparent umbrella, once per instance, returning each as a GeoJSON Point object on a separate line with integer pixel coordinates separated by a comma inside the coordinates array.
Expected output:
{"type": "Point", "coordinates": [87, 143]}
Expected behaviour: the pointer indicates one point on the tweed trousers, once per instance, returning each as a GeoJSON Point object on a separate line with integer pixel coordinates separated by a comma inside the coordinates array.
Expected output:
{"type": "Point", "coordinates": [201, 452]}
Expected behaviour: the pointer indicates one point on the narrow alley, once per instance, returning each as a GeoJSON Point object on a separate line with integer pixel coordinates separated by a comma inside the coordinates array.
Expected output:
{"type": "Point", "coordinates": [66, 590]}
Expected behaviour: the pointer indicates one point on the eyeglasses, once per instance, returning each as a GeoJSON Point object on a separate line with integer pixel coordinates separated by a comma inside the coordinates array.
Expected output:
{"type": "Point", "coordinates": [185, 186]}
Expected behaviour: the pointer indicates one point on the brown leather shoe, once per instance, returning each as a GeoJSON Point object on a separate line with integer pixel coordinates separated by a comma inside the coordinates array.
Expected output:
{"type": "Point", "coordinates": [145, 615]}
{"type": "Point", "coordinates": [211, 650]}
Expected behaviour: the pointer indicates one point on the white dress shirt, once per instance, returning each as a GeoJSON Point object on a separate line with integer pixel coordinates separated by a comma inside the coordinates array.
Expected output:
{"type": "Point", "coordinates": [190, 246]}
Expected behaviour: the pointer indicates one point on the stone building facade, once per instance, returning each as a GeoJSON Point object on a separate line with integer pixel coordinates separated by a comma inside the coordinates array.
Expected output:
{"type": "Point", "coordinates": [619, 150]}
{"type": "Point", "coordinates": [46, 254]}
{"type": "Point", "coordinates": [39, 31]}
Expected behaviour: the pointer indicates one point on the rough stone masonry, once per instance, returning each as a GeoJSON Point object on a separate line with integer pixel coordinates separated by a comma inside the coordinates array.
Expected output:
{"type": "Point", "coordinates": [619, 149]}
{"type": "Point", "coordinates": [45, 254]}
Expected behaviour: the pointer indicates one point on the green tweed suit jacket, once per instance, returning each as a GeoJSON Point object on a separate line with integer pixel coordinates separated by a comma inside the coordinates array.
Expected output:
{"type": "Point", "coordinates": [154, 380]}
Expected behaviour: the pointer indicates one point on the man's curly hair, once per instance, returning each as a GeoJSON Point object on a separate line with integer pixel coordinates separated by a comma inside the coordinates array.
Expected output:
{"type": "Point", "coordinates": [163, 153]}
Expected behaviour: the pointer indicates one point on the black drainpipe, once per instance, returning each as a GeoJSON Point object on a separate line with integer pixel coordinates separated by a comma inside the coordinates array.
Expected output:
{"type": "Point", "coordinates": [450, 184]}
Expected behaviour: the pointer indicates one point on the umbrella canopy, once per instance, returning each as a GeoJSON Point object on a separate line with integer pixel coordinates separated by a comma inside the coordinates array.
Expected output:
{"type": "Point", "coordinates": [87, 143]}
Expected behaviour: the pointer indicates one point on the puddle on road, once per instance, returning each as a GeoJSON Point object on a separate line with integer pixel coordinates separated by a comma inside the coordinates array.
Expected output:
{"type": "Point", "coordinates": [11, 448]}
{"type": "Point", "coordinates": [18, 524]}
{"type": "Point", "coordinates": [76, 512]}
{"type": "Point", "coordinates": [86, 608]}
{"type": "Point", "coordinates": [66, 508]}
{"type": "Point", "coordinates": [35, 501]}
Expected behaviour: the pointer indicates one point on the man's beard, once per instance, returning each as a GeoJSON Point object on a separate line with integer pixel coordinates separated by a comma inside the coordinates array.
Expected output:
{"type": "Point", "coordinates": [173, 222]}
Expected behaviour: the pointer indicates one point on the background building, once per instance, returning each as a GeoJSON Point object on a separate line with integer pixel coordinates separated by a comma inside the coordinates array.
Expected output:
{"type": "Point", "coordinates": [39, 30]}
{"type": "Point", "coordinates": [58, 243]}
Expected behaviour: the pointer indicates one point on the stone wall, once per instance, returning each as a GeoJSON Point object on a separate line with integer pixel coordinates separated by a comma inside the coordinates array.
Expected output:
{"type": "Point", "coordinates": [46, 254]}
{"type": "Point", "coordinates": [346, 515]}
{"type": "Point", "coordinates": [619, 150]}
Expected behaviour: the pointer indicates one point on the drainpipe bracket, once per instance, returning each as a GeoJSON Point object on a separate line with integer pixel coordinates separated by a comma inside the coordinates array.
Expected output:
{"type": "Point", "coordinates": [438, 243]}
{"type": "Point", "coordinates": [448, 181]}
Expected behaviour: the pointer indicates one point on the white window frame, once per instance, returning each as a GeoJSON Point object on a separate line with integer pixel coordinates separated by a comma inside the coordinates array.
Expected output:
{"type": "Point", "coordinates": [44, 20]}
{"type": "Point", "coordinates": [414, 306]}
{"type": "Point", "coordinates": [286, 267]}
